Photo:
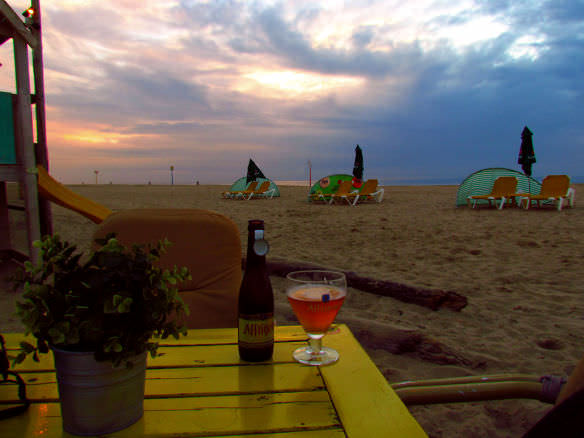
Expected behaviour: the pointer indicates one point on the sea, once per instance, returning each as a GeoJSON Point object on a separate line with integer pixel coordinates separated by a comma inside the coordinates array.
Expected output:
{"type": "Point", "coordinates": [416, 182]}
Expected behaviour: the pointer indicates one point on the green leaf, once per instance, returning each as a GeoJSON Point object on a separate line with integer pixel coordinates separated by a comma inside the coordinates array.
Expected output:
{"type": "Point", "coordinates": [19, 358]}
{"type": "Point", "coordinates": [42, 346]}
{"type": "Point", "coordinates": [26, 347]}
{"type": "Point", "coordinates": [57, 337]}
{"type": "Point", "coordinates": [108, 307]}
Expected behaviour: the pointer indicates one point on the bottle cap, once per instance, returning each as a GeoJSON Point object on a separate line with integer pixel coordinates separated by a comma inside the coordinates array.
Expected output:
{"type": "Point", "coordinates": [255, 224]}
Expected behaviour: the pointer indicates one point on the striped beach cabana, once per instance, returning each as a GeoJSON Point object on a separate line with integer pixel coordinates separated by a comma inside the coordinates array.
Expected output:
{"type": "Point", "coordinates": [481, 183]}
{"type": "Point", "coordinates": [241, 184]}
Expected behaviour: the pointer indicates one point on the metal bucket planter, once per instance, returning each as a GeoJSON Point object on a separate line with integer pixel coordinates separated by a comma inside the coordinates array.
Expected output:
{"type": "Point", "coordinates": [97, 398]}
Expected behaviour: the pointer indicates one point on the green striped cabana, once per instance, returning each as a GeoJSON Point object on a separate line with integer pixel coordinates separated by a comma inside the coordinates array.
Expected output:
{"type": "Point", "coordinates": [481, 183]}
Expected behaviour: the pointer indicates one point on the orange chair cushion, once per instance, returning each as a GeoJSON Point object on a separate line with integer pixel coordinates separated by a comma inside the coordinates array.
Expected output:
{"type": "Point", "coordinates": [206, 242]}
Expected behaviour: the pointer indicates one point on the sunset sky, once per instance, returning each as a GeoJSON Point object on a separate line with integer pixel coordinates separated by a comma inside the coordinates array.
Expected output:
{"type": "Point", "coordinates": [430, 89]}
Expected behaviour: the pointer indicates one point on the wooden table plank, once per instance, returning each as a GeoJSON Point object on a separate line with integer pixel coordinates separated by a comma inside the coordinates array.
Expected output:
{"type": "Point", "coordinates": [193, 337]}
{"type": "Point", "coordinates": [222, 340]}
{"type": "Point", "coordinates": [356, 385]}
{"type": "Point", "coordinates": [182, 382]}
{"type": "Point", "coordinates": [181, 356]}
{"type": "Point", "coordinates": [200, 417]}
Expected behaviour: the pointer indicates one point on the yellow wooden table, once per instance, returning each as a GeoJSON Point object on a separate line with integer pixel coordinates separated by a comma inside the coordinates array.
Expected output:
{"type": "Point", "coordinates": [200, 388]}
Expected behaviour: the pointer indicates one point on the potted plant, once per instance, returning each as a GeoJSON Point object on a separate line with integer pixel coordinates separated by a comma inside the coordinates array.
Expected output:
{"type": "Point", "coordinates": [98, 314]}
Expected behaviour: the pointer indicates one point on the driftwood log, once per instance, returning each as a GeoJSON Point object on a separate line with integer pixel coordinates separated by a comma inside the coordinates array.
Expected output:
{"type": "Point", "coordinates": [431, 298]}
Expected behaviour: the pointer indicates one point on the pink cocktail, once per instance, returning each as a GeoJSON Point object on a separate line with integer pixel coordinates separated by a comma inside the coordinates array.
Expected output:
{"type": "Point", "coordinates": [316, 307]}
{"type": "Point", "coordinates": [316, 297]}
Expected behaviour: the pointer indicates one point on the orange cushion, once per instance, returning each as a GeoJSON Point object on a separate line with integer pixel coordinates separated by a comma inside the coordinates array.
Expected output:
{"type": "Point", "coordinates": [207, 242]}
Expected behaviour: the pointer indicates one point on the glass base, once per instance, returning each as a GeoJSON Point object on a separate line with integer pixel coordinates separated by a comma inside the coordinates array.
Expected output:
{"type": "Point", "coordinates": [307, 356]}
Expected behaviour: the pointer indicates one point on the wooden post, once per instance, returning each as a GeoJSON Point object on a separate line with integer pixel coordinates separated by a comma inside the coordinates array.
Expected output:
{"type": "Point", "coordinates": [41, 153]}
{"type": "Point", "coordinates": [4, 219]}
{"type": "Point", "coordinates": [25, 154]}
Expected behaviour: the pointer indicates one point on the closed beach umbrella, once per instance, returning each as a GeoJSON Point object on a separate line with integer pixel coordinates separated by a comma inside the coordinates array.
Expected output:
{"type": "Point", "coordinates": [526, 153]}
{"type": "Point", "coordinates": [253, 172]}
{"type": "Point", "coordinates": [358, 166]}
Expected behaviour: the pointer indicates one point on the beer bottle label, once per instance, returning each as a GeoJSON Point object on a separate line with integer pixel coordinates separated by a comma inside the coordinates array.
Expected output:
{"type": "Point", "coordinates": [256, 331]}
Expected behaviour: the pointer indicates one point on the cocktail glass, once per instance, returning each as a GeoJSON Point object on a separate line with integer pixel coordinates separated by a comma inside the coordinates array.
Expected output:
{"type": "Point", "coordinates": [316, 297]}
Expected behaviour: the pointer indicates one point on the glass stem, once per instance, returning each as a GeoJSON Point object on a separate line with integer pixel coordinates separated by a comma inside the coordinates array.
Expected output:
{"type": "Point", "coordinates": [315, 342]}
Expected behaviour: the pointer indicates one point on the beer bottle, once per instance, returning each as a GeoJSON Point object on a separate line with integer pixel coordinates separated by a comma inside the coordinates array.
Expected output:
{"type": "Point", "coordinates": [256, 300]}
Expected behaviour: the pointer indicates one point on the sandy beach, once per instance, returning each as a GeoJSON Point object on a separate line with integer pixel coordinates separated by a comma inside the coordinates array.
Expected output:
{"type": "Point", "coordinates": [519, 270]}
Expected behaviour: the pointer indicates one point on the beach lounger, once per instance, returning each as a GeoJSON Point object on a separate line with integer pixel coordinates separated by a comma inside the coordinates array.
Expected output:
{"type": "Point", "coordinates": [343, 193]}
{"type": "Point", "coordinates": [319, 197]}
{"type": "Point", "coordinates": [504, 189]}
{"type": "Point", "coordinates": [205, 241]}
{"type": "Point", "coordinates": [369, 192]}
{"type": "Point", "coordinates": [237, 193]}
{"type": "Point", "coordinates": [554, 188]}
{"type": "Point", "coordinates": [263, 192]}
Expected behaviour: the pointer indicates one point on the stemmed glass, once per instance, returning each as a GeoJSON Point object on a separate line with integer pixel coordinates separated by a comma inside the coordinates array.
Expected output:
{"type": "Point", "coordinates": [316, 297]}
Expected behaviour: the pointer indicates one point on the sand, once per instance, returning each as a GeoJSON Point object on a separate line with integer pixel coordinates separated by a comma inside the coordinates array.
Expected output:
{"type": "Point", "coordinates": [520, 271]}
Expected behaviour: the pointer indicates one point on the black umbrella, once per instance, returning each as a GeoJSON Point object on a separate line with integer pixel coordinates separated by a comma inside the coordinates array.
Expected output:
{"type": "Point", "coordinates": [526, 153]}
{"type": "Point", "coordinates": [358, 166]}
{"type": "Point", "coordinates": [253, 172]}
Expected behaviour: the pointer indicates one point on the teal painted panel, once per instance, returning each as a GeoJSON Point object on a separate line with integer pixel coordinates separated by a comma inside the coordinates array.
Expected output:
{"type": "Point", "coordinates": [7, 147]}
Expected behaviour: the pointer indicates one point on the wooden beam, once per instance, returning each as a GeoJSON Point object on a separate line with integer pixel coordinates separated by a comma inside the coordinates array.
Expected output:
{"type": "Point", "coordinates": [41, 152]}
{"type": "Point", "coordinates": [4, 219]}
{"type": "Point", "coordinates": [6, 31]}
{"type": "Point", "coordinates": [25, 145]}
{"type": "Point", "coordinates": [17, 24]}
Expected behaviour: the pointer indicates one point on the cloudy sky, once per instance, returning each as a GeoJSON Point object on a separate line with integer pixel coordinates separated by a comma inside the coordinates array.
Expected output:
{"type": "Point", "coordinates": [430, 89]}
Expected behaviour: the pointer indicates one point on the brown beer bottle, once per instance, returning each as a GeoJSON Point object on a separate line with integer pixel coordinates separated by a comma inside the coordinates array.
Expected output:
{"type": "Point", "coordinates": [256, 300]}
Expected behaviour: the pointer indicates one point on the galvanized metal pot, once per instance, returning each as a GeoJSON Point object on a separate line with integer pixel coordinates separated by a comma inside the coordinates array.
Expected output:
{"type": "Point", "coordinates": [96, 397]}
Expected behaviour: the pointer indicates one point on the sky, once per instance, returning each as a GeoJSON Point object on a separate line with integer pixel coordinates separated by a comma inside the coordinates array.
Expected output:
{"type": "Point", "coordinates": [430, 89]}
